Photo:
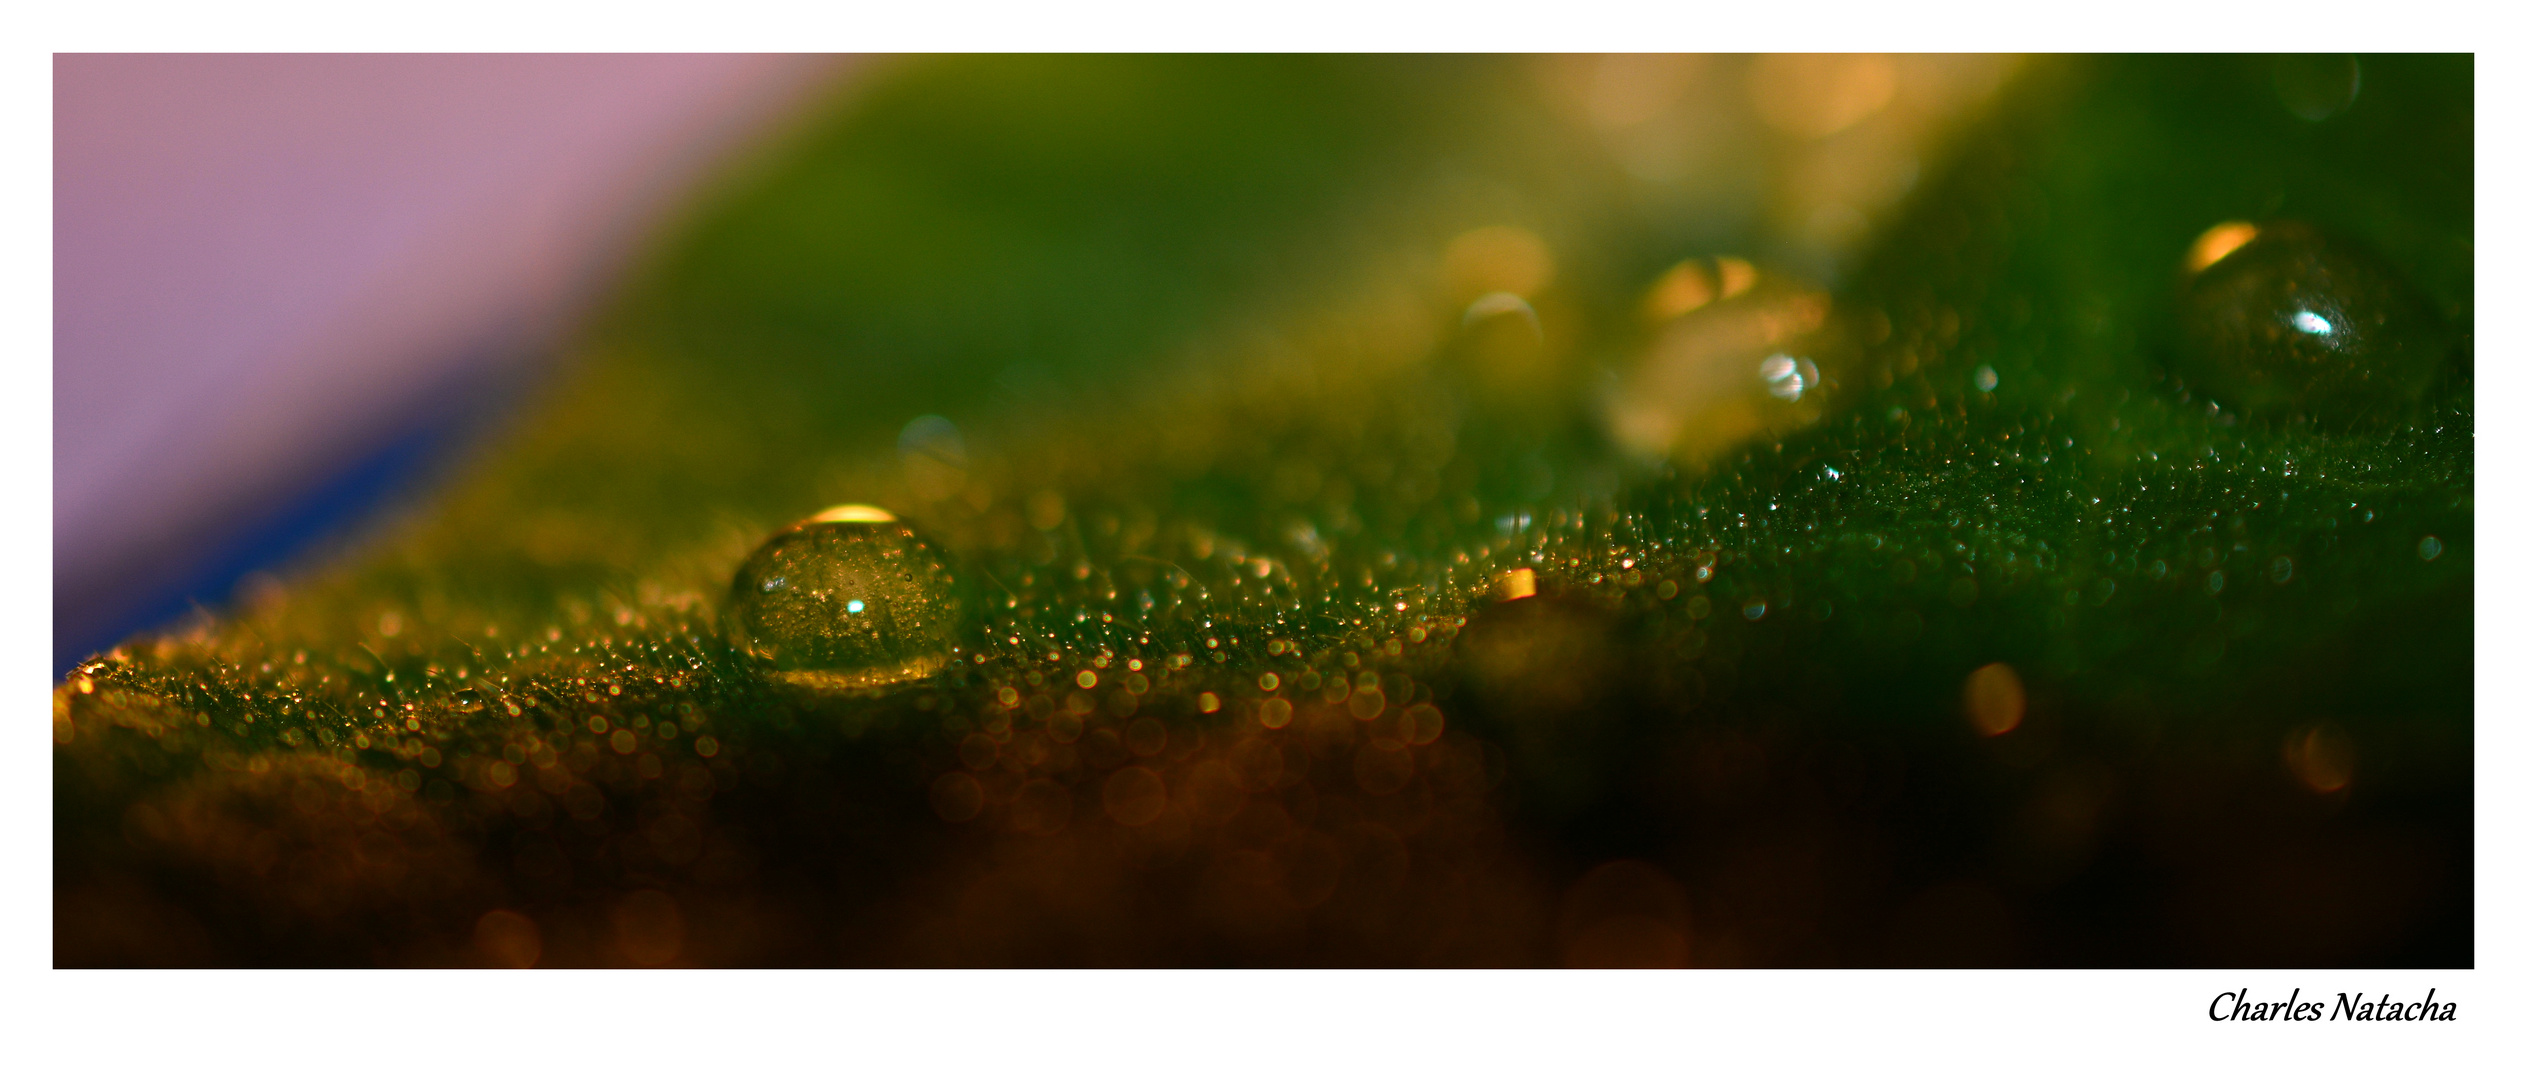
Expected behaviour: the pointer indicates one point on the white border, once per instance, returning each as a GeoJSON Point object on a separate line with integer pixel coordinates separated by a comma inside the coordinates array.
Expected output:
{"type": "Point", "coordinates": [1260, 1023]}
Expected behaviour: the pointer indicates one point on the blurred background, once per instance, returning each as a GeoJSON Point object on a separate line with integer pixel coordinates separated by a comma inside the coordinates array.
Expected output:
{"type": "Point", "coordinates": [286, 285]}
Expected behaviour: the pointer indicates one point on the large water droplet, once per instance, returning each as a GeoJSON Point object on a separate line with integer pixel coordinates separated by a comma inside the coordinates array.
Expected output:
{"type": "Point", "coordinates": [850, 598]}
{"type": "Point", "coordinates": [2280, 320]}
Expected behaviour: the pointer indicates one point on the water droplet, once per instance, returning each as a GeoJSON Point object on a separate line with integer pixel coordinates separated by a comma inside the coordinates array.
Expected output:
{"type": "Point", "coordinates": [847, 599]}
{"type": "Point", "coordinates": [1986, 379]}
{"type": "Point", "coordinates": [2280, 319]}
{"type": "Point", "coordinates": [2429, 548]}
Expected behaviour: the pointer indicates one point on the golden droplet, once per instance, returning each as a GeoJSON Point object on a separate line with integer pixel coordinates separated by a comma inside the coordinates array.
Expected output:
{"type": "Point", "coordinates": [1517, 584]}
{"type": "Point", "coordinates": [850, 598]}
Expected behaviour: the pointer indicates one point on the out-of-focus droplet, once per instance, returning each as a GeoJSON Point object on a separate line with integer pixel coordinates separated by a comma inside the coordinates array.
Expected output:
{"type": "Point", "coordinates": [850, 598]}
{"type": "Point", "coordinates": [2429, 548]}
{"type": "Point", "coordinates": [1732, 366]}
{"type": "Point", "coordinates": [1812, 96]}
{"type": "Point", "coordinates": [2314, 88]}
{"type": "Point", "coordinates": [1134, 795]}
{"type": "Point", "coordinates": [2320, 756]}
{"type": "Point", "coordinates": [1046, 509]}
{"type": "Point", "coordinates": [1682, 290]}
{"type": "Point", "coordinates": [2290, 322]}
{"type": "Point", "coordinates": [1787, 377]}
{"type": "Point", "coordinates": [1995, 701]}
{"type": "Point", "coordinates": [1497, 259]}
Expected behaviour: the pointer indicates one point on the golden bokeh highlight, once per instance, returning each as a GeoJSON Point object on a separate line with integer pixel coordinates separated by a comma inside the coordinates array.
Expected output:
{"type": "Point", "coordinates": [1682, 289]}
{"type": "Point", "coordinates": [1995, 699]}
{"type": "Point", "coordinates": [1423, 724]}
{"type": "Point", "coordinates": [1517, 584]}
{"type": "Point", "coordinates": [2216, 243]}
{"type": "Point", "coordinates": [2321, 757]}
{"type": "Point", "coordinates": [1496, 259]}
{"type": "Point", "coordinates": [1811, 96]}
{"type": "Point", "coordinates": [854, 512]}
{"type": "Point", "coordinates": [1737, 276]}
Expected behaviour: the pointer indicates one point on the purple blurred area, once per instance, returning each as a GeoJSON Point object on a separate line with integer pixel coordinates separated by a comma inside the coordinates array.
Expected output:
{"type": "Point", "coordinates": [281, 282]}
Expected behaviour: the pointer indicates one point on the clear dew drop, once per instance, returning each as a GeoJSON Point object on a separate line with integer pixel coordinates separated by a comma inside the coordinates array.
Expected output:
{"type": "Point", "coordinates": [2278, 319]}
{"type": "Point", "coordinates": [851, 598]}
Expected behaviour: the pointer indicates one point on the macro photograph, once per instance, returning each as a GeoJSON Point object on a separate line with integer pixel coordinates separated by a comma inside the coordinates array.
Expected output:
{"type": "Point", "coordinates": [1355, 511]}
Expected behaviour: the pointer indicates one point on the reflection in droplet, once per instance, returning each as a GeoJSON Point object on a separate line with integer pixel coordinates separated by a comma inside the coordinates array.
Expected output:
{"type": "Point", "coordinates": [849, 598]}
{"type": "Point", "coordinates": [1689, 394]}
{"type": "Point", "coordinates": [2216, 243]}
{"type": "Point", "coordinates": [1786, 376]}
{"type": "Point", "coordinates": [2283, 320]}
{"type": "Point", "coordinates": [1496, 304]}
